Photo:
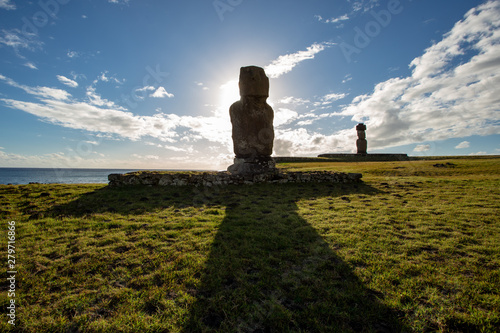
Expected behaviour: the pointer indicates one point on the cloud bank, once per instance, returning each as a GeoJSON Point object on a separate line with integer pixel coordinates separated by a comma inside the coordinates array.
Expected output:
{"type": "Point", "coordinates": [446, 96]}
{"type": "Point", "coordinates": [443, 98]}
{"type": "Point", "coordinates": [99, 115]}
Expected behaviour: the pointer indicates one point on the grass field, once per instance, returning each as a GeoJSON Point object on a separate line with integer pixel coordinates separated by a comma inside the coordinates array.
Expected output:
{"type": "Point", "coordinates": [414, 248]}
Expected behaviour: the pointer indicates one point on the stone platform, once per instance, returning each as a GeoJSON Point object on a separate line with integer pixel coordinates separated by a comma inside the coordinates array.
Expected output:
{"type": "Point", "coordinates": [209, 179]}
{"type": "Point", "coordinates": [366, 157]}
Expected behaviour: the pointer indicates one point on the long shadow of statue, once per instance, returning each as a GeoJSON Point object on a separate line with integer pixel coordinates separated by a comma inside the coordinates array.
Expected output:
{"type": "Point", "coordinates": [268, 269]}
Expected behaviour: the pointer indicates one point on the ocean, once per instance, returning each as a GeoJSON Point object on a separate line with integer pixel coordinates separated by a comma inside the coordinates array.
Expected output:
{"type": "Point", "coordinates": [20, 176]}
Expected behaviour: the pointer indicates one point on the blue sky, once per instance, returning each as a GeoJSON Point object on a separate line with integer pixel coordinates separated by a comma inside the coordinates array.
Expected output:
{"type": "Point", "coordinates": [148, 84]}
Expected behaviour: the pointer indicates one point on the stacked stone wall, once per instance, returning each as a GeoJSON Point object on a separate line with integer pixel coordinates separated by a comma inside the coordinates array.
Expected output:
{"type": "Point", "coordinates": [225, 178]}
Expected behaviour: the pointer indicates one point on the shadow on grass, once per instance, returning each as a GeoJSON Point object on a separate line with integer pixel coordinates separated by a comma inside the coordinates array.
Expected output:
{"type": "Point", "coordinates": [268, 269]}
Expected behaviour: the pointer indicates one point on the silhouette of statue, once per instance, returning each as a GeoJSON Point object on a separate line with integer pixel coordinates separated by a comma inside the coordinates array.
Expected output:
{"type": "Point", "coordinates": [361, 143]}
{"type": "Point", "coordinates": [252, 120]}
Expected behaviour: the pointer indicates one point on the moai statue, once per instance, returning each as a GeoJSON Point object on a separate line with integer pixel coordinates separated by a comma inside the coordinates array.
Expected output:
{"type": "Point", "coordinates": [361, 143]}
{"type": "Point", "coordinates": [252, 120]}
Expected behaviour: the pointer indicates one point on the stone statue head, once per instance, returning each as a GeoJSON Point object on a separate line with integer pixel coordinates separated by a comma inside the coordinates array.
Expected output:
{"type": "Point", "coordinates": [361, 127]}
{"type": "Point", "coordinates": [253, 82]}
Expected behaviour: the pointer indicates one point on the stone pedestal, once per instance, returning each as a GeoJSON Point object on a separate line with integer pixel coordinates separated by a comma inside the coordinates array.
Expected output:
{"type": "Point", "coordinates": [251, 166]}
{"type": "Point", "coordinates": [252, 120]}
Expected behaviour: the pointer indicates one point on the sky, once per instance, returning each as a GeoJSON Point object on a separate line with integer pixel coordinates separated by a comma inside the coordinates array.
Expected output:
{"type": "Point", "coordinates": [148, 84]}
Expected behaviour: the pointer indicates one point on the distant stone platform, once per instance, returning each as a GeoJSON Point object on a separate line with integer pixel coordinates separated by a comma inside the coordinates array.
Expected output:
{"type": "Point", "coordinates": [366, 157]}
{"type": "Point", "coordinates": [158, 178]}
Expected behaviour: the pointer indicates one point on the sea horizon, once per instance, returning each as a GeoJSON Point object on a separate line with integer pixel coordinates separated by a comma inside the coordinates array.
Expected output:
{"type": "Point", "coordinates": [27, 175]}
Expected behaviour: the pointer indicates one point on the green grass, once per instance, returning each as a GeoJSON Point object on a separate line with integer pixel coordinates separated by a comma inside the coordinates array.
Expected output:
{"type": "Point", "coordinates": [414, 248]}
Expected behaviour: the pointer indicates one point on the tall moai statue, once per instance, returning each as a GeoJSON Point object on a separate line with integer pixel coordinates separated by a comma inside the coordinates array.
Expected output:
{"type": "Point", "coordinates": [361, 143]}
{"type": "Point", "coordinates": [252, 120]}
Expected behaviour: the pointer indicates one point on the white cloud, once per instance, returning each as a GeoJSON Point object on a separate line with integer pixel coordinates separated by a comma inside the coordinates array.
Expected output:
{"type": "Point", "coordinates": [120, 2]}
{"type": "Point", "coordinates": [285, 63]}
{"type": "Point", "coordinates": [104, 78]}
{"type": "Point", "coordinates": [330, 98]}
{"type": "Point", "coordinates": [72, 54]}
{"type": "Point", "coordinates": [146, 88]}
{"type": "Point", "coordinates": [95, 99]}
{"type": "Point", "coordinates": [306, 115]}
{"type": "Point", "coordinates": [52, 160]}
{"type": "Point", "coordinates": [339, 19]}
{"type": "Point", "coordinates": [66, 81]}
{"type": "Point", "coordinates": [189, 149]}
{"type": "Point", "coordinates": [308, 122]}
{"type": "Point", "coordinates": [294, 100]}
{"type": "Point", "coordinates": [347, 78]}
{"type": "Point", "coordinates": [47, 92]}
{"type": "Point", "coordinates": [161, 93]}
{"type": "Point", "coordinates": [422, 148]}
{"type": "Point", "coordinates": [140, 161]}
{"type": "Point", "coordinates": [100, 115]}
{"type": "Point", "coordinates": [201, 84]}
{"type": "Point", "coordinates": [78, 115]}
{"type": "Point", "coordinates": [7, 4]}
{"type": "Point", "coordinates": [44, 92]}
{"type": "Point", "coordinates": [17, 40]}
{"type": "Point", "coordinates": [30, 65]}
{"type": "Point", "coordinates": [462, 145]}
{"type": "Point", "coordinates": [478, 153]}
{"type": "Point", "coordinates": [300, 142]}
{"type": "Point", "coordinates": [117, 121]}
{"type": "Point", "coordinates": [216, 128]}
{"type": "Point", "coordinates": [364, 5]}
{"type": "Point", "coordinates": [283, 116]}
{"type": "Point", "coordinates": [75, 76]}
{"type": "Point", "coordinates": [325, 101]}
{"type": "Point", "coordinates": [146, 157]}
{"type": "Point", "coordinates": [441, 99]}
{"type": "Point", "coordinates": [143, 92]}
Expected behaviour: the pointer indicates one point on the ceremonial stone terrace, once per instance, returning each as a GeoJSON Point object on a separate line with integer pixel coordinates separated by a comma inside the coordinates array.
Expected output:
{"type": "Point", "coordinates": [208, 179]}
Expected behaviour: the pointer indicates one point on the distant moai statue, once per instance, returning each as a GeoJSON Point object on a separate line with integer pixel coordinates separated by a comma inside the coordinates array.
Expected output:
{"type": "Point", "coordinates": [361, 143]}
{"type": "Point", "coordinates": [252, 120]}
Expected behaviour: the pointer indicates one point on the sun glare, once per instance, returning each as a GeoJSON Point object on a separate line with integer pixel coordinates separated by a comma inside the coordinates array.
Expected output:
{"type": "Point", "coordinates": [229, 93]}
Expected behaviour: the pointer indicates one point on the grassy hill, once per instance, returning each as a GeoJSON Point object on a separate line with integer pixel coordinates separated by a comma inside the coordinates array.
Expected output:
{"type": "Point", "coordinates": [414, 248]}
